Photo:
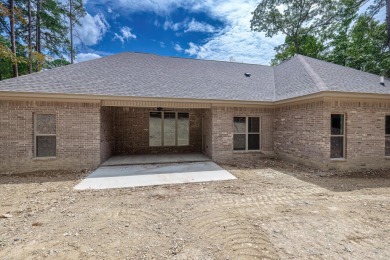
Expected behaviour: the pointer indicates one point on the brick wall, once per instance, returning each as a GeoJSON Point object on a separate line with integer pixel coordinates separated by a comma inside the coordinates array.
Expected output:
{"type": "Point", "coordinates": [302, 133]}
{"type": "Point", "coordinates": [78, 136]}
{"type": "Point", "coordinates": [88, 134]}
{"type": "Point", "coordinates": [131, 131]}
{"type": "Point", "coordinates": [222, 133]}
{"type": "Point", "coordinates": [106, 133]}
{"type": "Point", "coordinates": [299, 133]}
{"type": "Point", "coordinates": [365, 133]}
{"type": "Point", "coordinates": [207, 132]}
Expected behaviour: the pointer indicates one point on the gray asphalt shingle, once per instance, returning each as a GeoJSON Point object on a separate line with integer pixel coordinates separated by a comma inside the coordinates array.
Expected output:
{"type": "Point", "coordinates": [340, 78]}
{"type": "Point", "coordinates": [148, 75]}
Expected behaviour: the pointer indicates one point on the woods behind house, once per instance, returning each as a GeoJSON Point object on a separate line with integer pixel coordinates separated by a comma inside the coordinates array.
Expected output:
{"type": "Point", "coordinates": [37, 34]}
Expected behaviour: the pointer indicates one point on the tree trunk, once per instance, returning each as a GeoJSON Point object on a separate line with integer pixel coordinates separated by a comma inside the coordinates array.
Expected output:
{"type": "Point", "coordinates": [38, 31]}
{"type": "Point", "coordinates": [12, 35]}
{"type": "Point", "coordinates": [29, 38]}
{"type": "Point", "coordinates": [297, 50]}
{"type": "Point", "coordinates": [388, 21]}
{"type": "Point", "coordinates": [71, 32]}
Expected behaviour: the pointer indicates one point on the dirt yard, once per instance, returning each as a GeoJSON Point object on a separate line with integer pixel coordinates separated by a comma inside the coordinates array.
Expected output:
{"type": "Point", "coordinates": [272, 211]}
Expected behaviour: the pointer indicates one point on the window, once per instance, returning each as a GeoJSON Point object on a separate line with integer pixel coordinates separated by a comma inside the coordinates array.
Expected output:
{"type": "Point", "coordinates": [169, 129]}
{"type": "Point", "coordinates": [337, 133]}
{"type": "Point", "coordinates": [387, 136]}
{"type": "Point", "coordinates": [246, 133]}
{"type": "Point", "coordinates": [45, 135]}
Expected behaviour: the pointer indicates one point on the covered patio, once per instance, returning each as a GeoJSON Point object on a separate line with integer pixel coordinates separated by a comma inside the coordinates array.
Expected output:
{"type": "Point", "coordinates": [148, 170]}
{"type": "Point", "coordinates": [132, 132]}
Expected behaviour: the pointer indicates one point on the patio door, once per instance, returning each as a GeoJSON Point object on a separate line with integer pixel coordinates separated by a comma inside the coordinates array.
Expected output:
{"type": "Point", "coordinates": [169, 129]}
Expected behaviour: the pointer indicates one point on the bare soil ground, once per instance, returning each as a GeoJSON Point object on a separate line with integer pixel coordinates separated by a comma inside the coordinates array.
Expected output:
{"type": "Point", "coordinates": [273, 210]}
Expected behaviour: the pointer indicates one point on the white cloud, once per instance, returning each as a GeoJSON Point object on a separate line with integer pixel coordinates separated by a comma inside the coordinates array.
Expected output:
{"type": "Point", "coordinates": [162, 44]}
{"type": "Point", "coordinates": [125, 35]}
{"type": "Point", "coordinates": [195, 26]}
{"type": "Point", "coordinates": [235, 39]}
{"type": "Point", "coordinates": [188, 26]}
{"type": "Point", "coordinates": [193, 49]}
{"type": "Point", "coordinates": [86, 56]}
{"type": "Point", "coordinates": [178, 48]}
{"type": "Point", "coordinates": [109, 10]}
{"type": "Point", "coordinates": [92, 29]}
{"type": "Point", "coordinates": [156, 6]}
{"type": "Point", "coordinates": [168, 24]}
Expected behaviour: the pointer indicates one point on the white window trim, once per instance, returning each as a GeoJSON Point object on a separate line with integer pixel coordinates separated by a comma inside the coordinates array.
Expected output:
{"type": "Point", "coordinates": [176, 128]}
{"type": "Point", "coordinates": [36, 135]}
{"type": "Point", "coordinates": [247, 134]}
{"type": "Point", "coordinates": [343, 135]}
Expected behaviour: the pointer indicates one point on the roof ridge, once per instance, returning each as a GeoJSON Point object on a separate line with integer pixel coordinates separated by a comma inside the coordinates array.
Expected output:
{"type": "Point", "coordinates": [195, 59]}
{"type": "Point", "coordinates": [321, 85]}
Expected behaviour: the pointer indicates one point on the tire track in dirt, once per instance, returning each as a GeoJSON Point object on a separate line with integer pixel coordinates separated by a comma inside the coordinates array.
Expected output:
{"type": "Point", "coordinates": [348, 234]}
{"type": "Point", "coordinates": [232, 234]}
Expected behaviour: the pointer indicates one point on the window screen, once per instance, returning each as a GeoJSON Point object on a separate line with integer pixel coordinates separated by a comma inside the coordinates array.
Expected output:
{"type": "Point", "coordinates": [169, 129]}
{"type": "Point", "coordinates": [337, 136]}
{"type": "Point", "coordinates": [45, 135]}
{"type": "Point", "coordinates": [246, 133]}
{"type": "Point", "coordinates": [387, 136]}
{"type": "Point", "coordinates": [183, 129]}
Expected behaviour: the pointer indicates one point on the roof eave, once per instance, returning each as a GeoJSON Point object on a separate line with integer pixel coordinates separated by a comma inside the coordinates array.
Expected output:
{"type": "Point", "coordinates": [334, 94]}
{"type": "Point", "coordinates": [98, 99]}
{"type": "Point", "coordinates": [4, 95]}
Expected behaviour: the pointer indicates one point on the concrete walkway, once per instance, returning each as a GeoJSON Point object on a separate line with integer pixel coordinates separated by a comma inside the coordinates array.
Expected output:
{"type": "Point", "coordinates": [108, 177]}
{"type": "Point", "coordinates": [155, 158]}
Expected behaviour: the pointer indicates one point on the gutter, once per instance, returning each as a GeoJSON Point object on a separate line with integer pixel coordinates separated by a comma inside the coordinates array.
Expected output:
{"type": "Point", "coordinates": [102, 99]}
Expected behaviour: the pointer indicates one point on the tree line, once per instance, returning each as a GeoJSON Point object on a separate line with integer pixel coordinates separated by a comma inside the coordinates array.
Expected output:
{"type": "Point", "coordinates": [331, 30]}
{"type": "Point", "coordinates": [37, 34]}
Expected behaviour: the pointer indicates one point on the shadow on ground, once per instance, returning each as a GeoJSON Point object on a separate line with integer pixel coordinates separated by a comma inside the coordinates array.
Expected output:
{"type": "Point", "coordinates": [330, 180]}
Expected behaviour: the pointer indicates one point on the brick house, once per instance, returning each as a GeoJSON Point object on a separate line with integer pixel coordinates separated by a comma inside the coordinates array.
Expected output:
{"type": "Point", "coordinates": [304, 110]}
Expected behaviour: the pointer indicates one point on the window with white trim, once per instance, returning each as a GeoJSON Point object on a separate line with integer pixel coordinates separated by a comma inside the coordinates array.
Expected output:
{"type": "Point", "coordinates": [169, 129]}
{"type": "Point", "coordinates": [387, 136]}
{"type": "Point", "coordinates": [337, 136]}
{"type": "Point", "coordinates": [45, 144]}
{"type": "Point", "coordinates": [246, 133]}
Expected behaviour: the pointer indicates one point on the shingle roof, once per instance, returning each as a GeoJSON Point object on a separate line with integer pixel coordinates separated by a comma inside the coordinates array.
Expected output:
{"type": "Point", "coordinates": [148, 75]}
{"type": "Point", "coordinates": [292, 80]}
{"type": "Point", "coordinates": [303, 75]}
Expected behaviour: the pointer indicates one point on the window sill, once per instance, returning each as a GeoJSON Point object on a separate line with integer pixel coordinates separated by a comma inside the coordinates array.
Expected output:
{"type": "Point", "coordinates": [338, 159]}
{"type": "Point", "coordinates": [247, 151]}
{"type": "Point", "coordinates": [44, 158]}
{"type": "Point", "coordinates": [170, 146]}
{"type": "Point", "coordinates": [387, 157]}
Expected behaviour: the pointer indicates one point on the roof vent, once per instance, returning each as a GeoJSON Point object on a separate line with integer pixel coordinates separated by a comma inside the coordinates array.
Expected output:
{"type": "Point", "coordinates": [382, 81]}
{"type": "Point", "coordinates": [247, 74]}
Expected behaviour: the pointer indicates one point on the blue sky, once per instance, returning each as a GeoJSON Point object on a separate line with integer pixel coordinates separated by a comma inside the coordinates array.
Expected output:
{"type": "Point", "coordinates": [208, 29]}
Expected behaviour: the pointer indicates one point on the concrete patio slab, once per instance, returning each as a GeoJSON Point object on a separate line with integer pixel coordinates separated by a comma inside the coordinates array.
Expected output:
{"type": "Point", "coordinates": [153, 174]}
{"type": "Point", "coordinates": [155, 158]}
